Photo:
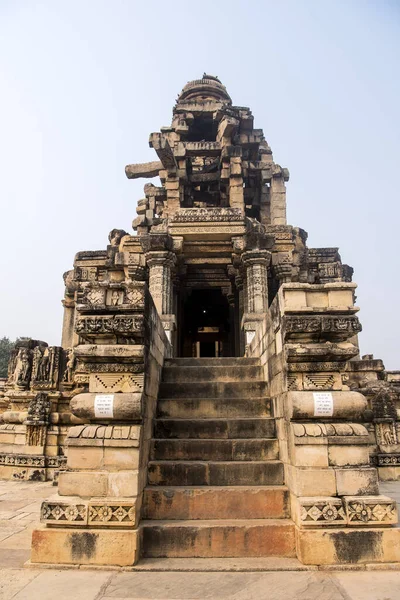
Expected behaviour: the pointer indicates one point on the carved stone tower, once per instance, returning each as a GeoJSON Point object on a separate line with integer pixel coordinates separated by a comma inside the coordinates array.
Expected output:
{"type": "Point", "coordinates": [210, 230]}
{"type": "Point", "coordinates": [218, 406]}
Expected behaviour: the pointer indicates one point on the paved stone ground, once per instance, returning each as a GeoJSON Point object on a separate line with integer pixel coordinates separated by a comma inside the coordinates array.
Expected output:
{"type": "Point", "coordinates": [19, 510]}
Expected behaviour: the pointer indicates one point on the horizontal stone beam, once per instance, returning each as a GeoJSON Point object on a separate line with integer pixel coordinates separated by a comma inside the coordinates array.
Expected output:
{"type": "Point", "coordinates": [149, 169]}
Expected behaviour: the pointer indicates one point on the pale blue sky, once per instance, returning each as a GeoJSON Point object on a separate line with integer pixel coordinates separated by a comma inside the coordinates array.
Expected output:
{"type": "Point", "coordinates": [84, 82]}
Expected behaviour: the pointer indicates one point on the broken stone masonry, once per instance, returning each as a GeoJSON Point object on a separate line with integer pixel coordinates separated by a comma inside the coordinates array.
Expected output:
{"type": "Point", "coordinates": [208, 393]}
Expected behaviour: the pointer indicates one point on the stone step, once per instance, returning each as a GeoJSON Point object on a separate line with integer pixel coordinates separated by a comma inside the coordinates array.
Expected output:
{"type": "Point", "coordinates": [216, 565]}
{"type": "Point", "coordinates": [184, 473]}
{"type": "Point", "coordinates": [212, 373]}
{"type": "Point", "coordinates": [213, 389]}
{"type": "Point", "coordinates": [212, 362]}
{"type": "Point", "coordinates": [219, 539]}
{"type": "Point", "coordinates": [209, 408]}
{"type": "Point", "coordinates": [214, 428]}
{"type": "Point", "coordinates": [234, 502]}
{"type": "Point", "coordinates": [215, 450]}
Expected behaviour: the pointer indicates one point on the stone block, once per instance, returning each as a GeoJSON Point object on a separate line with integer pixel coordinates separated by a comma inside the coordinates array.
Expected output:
{"type": "Point", "coordinates": [318, 512]}
{"type": "Point", "coordinates": [121, 458]}
{"type": "Point", "coordinates": [317, 299]}
{"type": "Point", "coordinates": [122, 484]}
{"type": "Point", "coordinates": [348, 546]}
{"type": "Point", "coordinates": [357, 482]}
{"type": "Point", "coordinates": [370, 510]}
{"type": "Point", "coordinates": [310, 456]}
{"type": "Point", "coordinates": [389, 473]}
{"type": "Point", "coordinates": [341, 297]}
{"type": "Point", "coordinates": [344, 456]}
{"type": "Point", "coordinates": [85, 457]}
{"type": "Point", "coordinates": [84, 484]}
{"type": "Point", "coordinates": [312, 482]}
{"type": "Point", "coordinates": [295, 298]}
{"type": "Point", "coordinates": [86, 547]}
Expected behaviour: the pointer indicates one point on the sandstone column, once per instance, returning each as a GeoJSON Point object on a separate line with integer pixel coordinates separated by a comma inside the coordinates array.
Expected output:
{"type": "Point", "coordinates": [278, 200]}
{"type": "Point", "coordinates": [256, 293]}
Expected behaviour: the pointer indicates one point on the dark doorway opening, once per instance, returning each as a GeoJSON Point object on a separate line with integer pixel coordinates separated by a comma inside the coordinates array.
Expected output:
{"type": "Point", "coordinates": [206, 326]}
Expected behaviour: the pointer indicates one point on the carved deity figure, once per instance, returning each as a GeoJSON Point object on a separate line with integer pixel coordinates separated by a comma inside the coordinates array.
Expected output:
{"type": "Point", "coordinates": [44, 368]}
{"type": "Point", "coordinates": [39, 410]}
{"type": "Point", "coordinates": [23, 368]}
{"type": "Point", "coordinates": [115, 298]}
{"type": "Point", "coordinates": [69, 368]}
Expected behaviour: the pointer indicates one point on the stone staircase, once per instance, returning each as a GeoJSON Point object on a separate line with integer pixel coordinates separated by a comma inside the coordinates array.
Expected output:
{"type": "Point", "coordinates": [215, 482]}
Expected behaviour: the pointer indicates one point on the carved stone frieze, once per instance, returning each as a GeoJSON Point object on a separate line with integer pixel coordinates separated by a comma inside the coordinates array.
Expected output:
{"type": "Point", "coordinates": [30, 460]}
{"type": "Point", "coordinates": [63, 514]}
{"type": "Point", "coordinates": [370, 510]}
{"type": "Point", "coordinates": [89, 326]}
{"type": "Point", "coordinates": [388, 460]}
{"type": "Point", "coordinates": [108, 367]}
{"type": "Point", "coordinates": [321, 512]}
{"type": "Point", "coordinates": [314, 366]}
{"type": "Point", "coordinates": [110, 514]}
{"type": "Point", "coordinates": [110, 382]}
{"type": "Point", "coordinates": [198, 215]}
{"type": "Point", "coordinates": [320, 327]}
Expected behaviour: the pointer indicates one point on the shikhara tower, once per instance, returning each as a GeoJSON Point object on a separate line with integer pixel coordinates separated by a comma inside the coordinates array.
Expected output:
{"type": "Point", "coordinates": [209, 385]}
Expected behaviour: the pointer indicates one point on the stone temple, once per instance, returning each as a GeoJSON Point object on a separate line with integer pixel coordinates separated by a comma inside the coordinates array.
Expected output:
{"type": "Point", "coordinates": [208, 398]}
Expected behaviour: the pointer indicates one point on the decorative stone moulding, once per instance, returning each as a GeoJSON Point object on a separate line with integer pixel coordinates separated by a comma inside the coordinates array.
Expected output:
{"type": "Point", "coordinates": [319, 380]}
{"type": "Point", "coordinates": [319, 327]}
{"type": "Point", "coordinates": [330, 433]}
{"type": "Point", "coordinates": [88, 513]}
{"type": "Point", "coordinates": [104, 435]}
{"type": "Point", "coordinates": [386, 460]}
{"type": "Point", "coordinates": [345, 405]}
{"type": "Point", "coordinates": [321, 512]}
{"type": "Point", "coordinates": [125, 407]}
{"type": "Point", "coordinates": [370, 510]}
{"type": "Point", "coordinates": [349, 511]}
{"type": "Point", "coordinates": [327, 356]}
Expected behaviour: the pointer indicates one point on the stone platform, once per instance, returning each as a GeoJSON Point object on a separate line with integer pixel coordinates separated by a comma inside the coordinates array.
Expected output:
{"type": "Point", "coordinates": [171, 579]}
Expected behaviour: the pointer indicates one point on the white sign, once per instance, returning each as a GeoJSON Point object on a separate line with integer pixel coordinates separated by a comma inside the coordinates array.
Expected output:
{"type": "Point", "coordinates": [104, 406]}
{"type": "Point", "coordinates": [323, 404]}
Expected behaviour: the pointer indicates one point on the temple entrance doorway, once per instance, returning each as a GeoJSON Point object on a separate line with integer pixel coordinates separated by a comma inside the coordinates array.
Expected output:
{"type": "Point", "coordinates": [206, 327]}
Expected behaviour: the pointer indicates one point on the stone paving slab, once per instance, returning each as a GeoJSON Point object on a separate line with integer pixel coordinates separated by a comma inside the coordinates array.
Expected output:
{"type": "Point", "coordinates": [173, 579]}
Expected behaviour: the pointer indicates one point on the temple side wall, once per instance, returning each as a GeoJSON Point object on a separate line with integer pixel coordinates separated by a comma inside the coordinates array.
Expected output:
{"type": "Point", "coordinates": [94, 518]}
{"type": "Point", "coordinates": [303, 345]}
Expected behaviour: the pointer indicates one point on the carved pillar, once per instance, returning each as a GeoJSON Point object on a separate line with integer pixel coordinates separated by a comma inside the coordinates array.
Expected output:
{"type": "Point", "coordinates": [161, 263]}
{"type": "Point", "coordinates": [256, 291]}
{"type": "Point", "coordinates": [282, 266]}
{"type": "Point", "coordinates": [256, 262]}
{"type": "Point", "coordinates": [67, 337]}
{"type": "Point", "coordinates": [240, 311]}
{"type": "Point", "coordinates": [160, 279]}
{"type": "Point", "coordinates": [230, 296]}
